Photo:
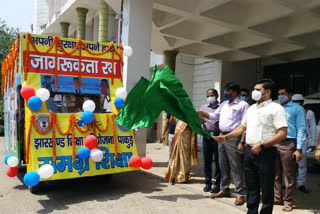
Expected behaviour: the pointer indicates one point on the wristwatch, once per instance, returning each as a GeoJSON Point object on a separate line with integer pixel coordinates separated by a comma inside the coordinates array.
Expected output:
{"type": "Point", "coordinates": [261, 146]}
{"type": "Point", "coordinates": [243, 143]}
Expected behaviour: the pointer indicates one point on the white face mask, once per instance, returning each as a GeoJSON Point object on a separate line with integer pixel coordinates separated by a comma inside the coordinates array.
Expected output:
{"type": "Point", "coordinates": [256, 95]}
{"type": "Point", "coordinates": [211, 100]}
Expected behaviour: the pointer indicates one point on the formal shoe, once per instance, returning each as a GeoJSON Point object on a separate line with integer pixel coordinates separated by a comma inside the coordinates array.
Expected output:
{"type": "Point", "coordinates": [278, 203]}
{"type": "Point", "coordinates": [220, 194]}
{"type": "Point", "coordinates": [303, 189]}
{"type": "Point", "coordinates": [287, 208]}
{"type": "Point", "coordinates": [216, 189]}
{"type": "Point", "coordinates": [239, 201]}
{"type": "Point", "coordinates": [207, 188]}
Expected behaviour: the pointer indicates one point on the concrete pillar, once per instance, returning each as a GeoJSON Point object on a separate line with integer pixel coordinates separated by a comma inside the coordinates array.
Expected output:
{"type": "Point", "coordinates": [82, 13]}
{"type": "Point", "coordinates": [64, 26]}
{"type": "Point", "coordinates": [136, 32]}
{"type": "Point", "coordinates": [103, 21]}
{"type": "Point", "coordinates": [170, 58]}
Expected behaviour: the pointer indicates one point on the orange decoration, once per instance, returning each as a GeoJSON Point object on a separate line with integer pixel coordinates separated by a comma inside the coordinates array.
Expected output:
{"type": "Point", "coordinates": [28, 140]}
{"type": "Point", "coordinates": [12, 59]}
{"type": "Point", "coordinates": [73, 141]}
{"type": "Point", "coordinates": [54, 138]}
{"type": "Point", "coordinates": [55, 67]}
{"type": "Point", "coordinates": [114, 136]}
{"type": "Point", "coordinates": [105, 128]}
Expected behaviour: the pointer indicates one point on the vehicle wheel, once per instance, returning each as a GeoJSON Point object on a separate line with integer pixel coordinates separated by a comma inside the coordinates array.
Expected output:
{"type": "Point", "coordinates": [35, 189]}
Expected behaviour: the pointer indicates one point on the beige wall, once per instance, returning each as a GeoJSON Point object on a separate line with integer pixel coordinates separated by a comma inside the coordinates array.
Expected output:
{"type": "Point", "coordinates": [243, 73]}
{"type": "Point", "coordinates": [184, 72]}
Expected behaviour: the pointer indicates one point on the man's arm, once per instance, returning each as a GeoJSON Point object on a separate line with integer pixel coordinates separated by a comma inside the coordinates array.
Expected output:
{"type": "Point", "coordinates": [235, 133]}
{"type": "Point", "coordinates": [301, 128]}
{"type": "Point", "coordinates": [313, 130]}
{"type": "Point", "coordinates": [211, 116]}
{"type": "Point", "coordinates": [166, 126]}
{"type": "Point", "coordinates": [317, 155]}
{"type": "Point", "coordinates": [280, 136]}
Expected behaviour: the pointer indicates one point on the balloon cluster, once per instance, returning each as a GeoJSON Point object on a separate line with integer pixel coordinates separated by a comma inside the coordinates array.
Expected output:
{"type": "Point", "coordinates": [32, 178]}
{"type": "Point", "coordinates": [11, 161]}
{"type": "Point", "coordinates": [87, 116]}
{"type": "Point", "coordinates": [34, 98]}
{"type": "Point", "coordinates": [90, 150]}
{"type": "Point", "coordinates": [144, 163]}
{"type": "Point", "coordinates": [121, 95]}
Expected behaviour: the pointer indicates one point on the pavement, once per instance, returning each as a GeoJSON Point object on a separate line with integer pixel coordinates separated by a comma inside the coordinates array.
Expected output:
{"type": "Point", "coordinates": [122, 193]}
{"type": "Point", "coordinates": [303, 203]}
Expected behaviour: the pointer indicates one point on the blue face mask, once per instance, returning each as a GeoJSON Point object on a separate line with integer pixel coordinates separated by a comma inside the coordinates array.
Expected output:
{"type": "Point", "coordinates": [211, 100]}
{"type": "Point", "coordinates": [227, 96]}
{"type": "Point", "coordinates": [244, 98]}
{"type": "Point", "coordinates": [282, 99]}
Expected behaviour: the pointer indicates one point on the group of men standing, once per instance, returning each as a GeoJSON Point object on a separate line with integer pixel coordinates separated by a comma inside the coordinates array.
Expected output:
{"type": "Point", "coordinates": [272, 136]}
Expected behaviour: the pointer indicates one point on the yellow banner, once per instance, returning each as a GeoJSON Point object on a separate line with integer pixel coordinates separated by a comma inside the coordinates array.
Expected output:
{"type": "Point", "coordinates": [41, 148]}
{"type": "Point", "coordinates": [73, 71]}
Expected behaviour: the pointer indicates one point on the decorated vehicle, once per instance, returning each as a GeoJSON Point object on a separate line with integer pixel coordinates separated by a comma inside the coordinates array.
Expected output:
{"type": "Point", "coordinates": [61, 99]}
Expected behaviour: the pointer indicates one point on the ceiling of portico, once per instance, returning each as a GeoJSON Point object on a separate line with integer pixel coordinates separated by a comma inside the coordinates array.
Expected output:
{"type": "Point", "coordinates": [236, 30]}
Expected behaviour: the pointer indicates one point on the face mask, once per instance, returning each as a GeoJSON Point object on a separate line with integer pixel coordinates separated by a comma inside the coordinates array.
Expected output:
{"type": "Point", "coordinates": [211, 100]}
{"type": "Point", "coordinates": [256, 95]}
{"type": "Point", "coordinates": [283, 99]}
{"type": "Point", "coordinates": [244, 98]}
{"type": "Point", "coordinates": [227, 96]}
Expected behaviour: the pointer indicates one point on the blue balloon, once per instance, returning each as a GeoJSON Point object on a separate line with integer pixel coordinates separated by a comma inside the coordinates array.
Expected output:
{"type": "Point", "coordinates": [84, 152]}
{"type": "Point", "coordinates": [7, 157]}
{"type": "Point", "coordinates": [35, 103]}
{"type": "Point", "coordinates": [87, 117]}
{"type": "Point", "coordinates": [118, 102]}
{"type": "Point", "coordinates": [31, 179]}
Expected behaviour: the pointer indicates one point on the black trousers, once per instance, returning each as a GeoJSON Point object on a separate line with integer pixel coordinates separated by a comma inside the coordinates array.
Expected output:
{"type": "Point", "coordinates": [260, 174]}
{"type": "Point", "coordinates": [210, 147]}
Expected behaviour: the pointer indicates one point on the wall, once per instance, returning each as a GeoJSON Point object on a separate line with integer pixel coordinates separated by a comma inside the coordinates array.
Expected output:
{"type": "Point", "coordinates": [40, 15]}
{"type": "Point", "coordinates": [184, 72]}
{"type": "Point", "coordinates": [243, 73]}
{"type": "Point", "coordinates": [207, 74]}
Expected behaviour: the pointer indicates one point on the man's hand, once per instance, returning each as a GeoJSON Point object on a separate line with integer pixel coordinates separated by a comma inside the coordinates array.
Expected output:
{"type": "Point", "coordinates": [163, 137]}
{"type": "Point", "coordinates": [241, 147]}
{"type": "Point", "coordinates": [298, 155]}
{"type": "Point", "coordinates": [312, 148]}
{"type": "Point", "coordinates": [256, 149]}
{"type": "Point", "coordinates": [317, 155]}
{"type": "Point", "coordinates": [220, 139]}
{"type": "Point", "coordinates": [202, 119]}
{"type": "Point", "coordinates": [200, 113]}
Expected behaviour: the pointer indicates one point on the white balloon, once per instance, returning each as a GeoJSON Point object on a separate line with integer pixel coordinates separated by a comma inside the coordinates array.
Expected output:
{"type": "Point", "coordinates": [89, 105]}
{"type": "Point", "coordinates": [46, 171]}
{"type": "Point", "coordinates": [13, 161]}
{"type": "Point", "coordinates": [121, 92]}
{"type": "Point", "coordinates": [43, 94]}
{"type": "Point", "coordinates": [127, 51]}
{"type": "Point", "coordinates": [96, 155]}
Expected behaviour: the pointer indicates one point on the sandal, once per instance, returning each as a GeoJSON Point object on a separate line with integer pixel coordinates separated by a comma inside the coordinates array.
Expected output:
{"type": "Point", "coordinates": [287, 208]}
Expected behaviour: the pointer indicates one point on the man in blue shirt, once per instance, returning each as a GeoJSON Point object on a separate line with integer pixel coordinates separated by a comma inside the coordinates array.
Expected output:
{"type": "Point", "coordinates": [289, 151]}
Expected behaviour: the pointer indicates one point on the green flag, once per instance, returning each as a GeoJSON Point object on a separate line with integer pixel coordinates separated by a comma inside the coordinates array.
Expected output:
{"type": "Point", "coordinates": [148, 99]}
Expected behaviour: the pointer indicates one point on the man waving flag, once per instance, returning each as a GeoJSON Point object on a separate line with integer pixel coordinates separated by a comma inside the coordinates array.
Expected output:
{"type": "Point", "coordinates": [148, 99]}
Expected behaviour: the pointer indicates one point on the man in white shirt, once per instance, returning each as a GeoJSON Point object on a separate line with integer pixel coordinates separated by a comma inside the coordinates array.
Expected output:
{"type": "Point", "coordinates": [265, 124]}
{"type": "Point", "coordinates": [310, 144]}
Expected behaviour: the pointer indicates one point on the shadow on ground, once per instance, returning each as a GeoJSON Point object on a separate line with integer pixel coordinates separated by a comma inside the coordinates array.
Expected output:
{"type": "Point", "coordinates": [103, 188]}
